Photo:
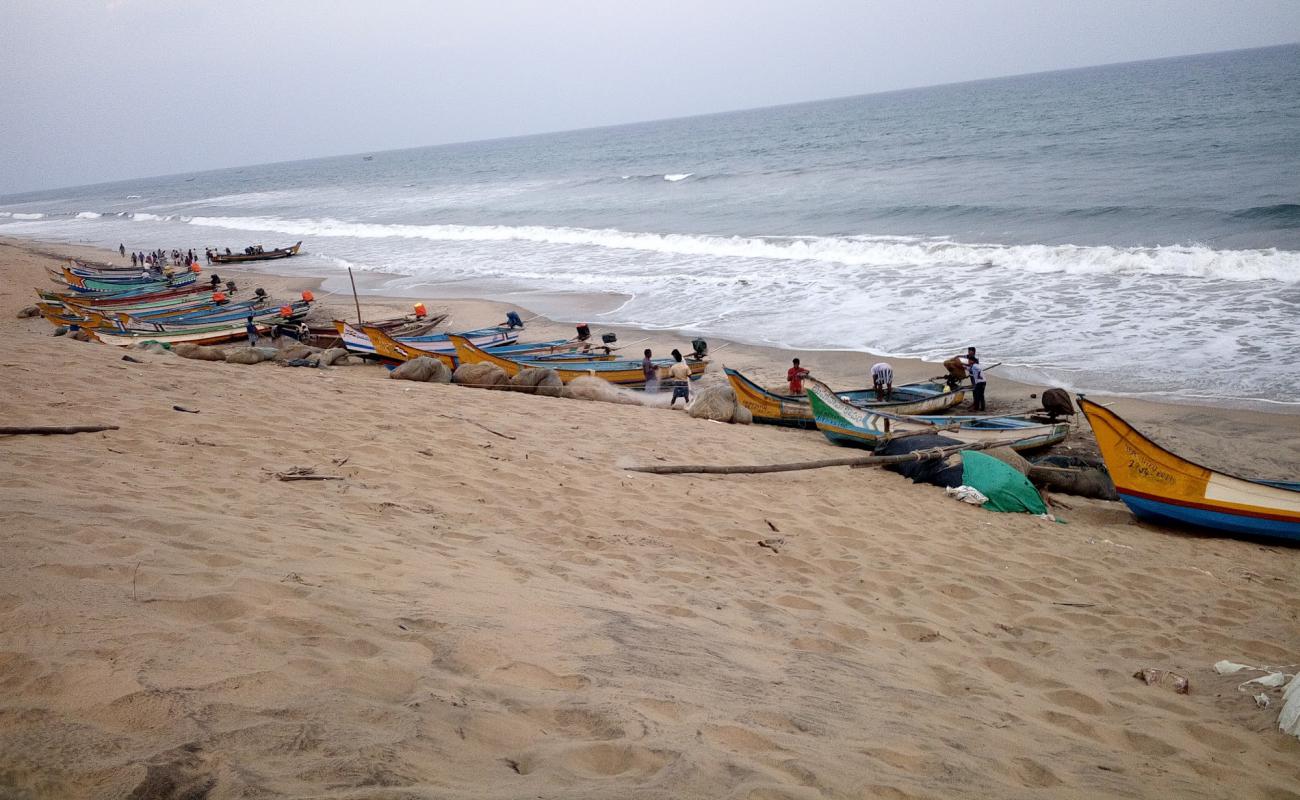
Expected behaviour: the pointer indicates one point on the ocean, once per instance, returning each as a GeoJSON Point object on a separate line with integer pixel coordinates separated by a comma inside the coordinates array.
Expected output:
{"type": "Point", "coordinates": [1131, 229]}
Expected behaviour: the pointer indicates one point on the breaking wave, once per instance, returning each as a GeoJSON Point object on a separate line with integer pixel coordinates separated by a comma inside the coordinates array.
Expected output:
{"type": "Point", "coordinates": [1196, 261]}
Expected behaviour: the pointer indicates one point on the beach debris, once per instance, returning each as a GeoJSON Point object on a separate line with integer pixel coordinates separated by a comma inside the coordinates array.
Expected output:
{"type": "Point", "coordinates": [186, 410]}
{"type": "Point", "coordinates": [481, 376]}
{"type": "Point", "coordinates": [28, 311]}
{"type": "Point", "coordinates": [1288, 719]}
{"type": "Point", "coordinates": [424, 369]}
{"type": "Point", "coordinates": [50, 430]}
{"type": "Point", "coordinates": [534, 380]}
{"type": "Point", "coordinates": [772, 525]}
{"type": "Point", "coordinates": [304, 474]}
{"type": "Point", "coordinates": [1262, 700]}
{"type": "Point", "coordinates": [133, 360]}
{"type": "Point", "coordinates": [479, 424]}
{"type": "Point", "coordinates": [60, 331]}
{"type": "Point", "coordinates": [1229, 667]}
{"type": "Point", "coordinates": [1172, 680]}
{"type": "Point", "coordinates": [1271, 680]}
{"type": "Point", "coordinates": [967, 494]}
{"type": "Point", "coordinates": [774, 544]}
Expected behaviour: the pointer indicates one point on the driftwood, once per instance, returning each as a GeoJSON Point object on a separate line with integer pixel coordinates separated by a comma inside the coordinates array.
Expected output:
{"type": "Point", "coordinates": [47, 430]}
{"type": "Point", "coordinates": [856, 461]}
{"type": "Point", "coordinates": [481, 425]}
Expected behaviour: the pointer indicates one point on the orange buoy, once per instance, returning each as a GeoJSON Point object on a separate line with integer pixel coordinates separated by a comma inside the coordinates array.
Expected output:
{"type": "Point", "coordinates": [308, 296]}
{"type": "Point", "coordinates": [420, 311]}
{"type": "Point", "coordinates": [286, 311]}
{"type": "Point", "coordinates": [219, 297]}
{"type": "Point", "coordinates": [195, 268]}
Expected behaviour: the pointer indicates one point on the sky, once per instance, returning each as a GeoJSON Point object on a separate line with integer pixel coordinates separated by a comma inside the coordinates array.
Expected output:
{"type": "Point", "coordinates": [102, 90]}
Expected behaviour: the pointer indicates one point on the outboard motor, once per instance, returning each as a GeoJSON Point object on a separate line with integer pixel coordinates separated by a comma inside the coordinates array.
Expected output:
{"type": "Point", "coordinates": [700, 347]}
{"type": "Point", "coordinates": [230, 286]}
{"type": "Point", "coordinates": [584, 332]}
{"type": "Point", "coordinates": [609, 338]}
{"type": "Point", "coordinates": [513, 320]}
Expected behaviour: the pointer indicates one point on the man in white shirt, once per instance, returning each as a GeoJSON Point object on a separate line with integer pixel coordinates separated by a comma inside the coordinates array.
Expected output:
{"type": "Point", "coordinates": [882, 378]}
{"type": "Point", "coordinates": [977, 384]}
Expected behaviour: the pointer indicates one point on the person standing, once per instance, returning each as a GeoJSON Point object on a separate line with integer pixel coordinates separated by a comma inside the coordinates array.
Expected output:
{"type": "Point", "coordinates": [649, 373]}
{"type": "Point", "coordinates": [794, 376]}
{"type": "Point", "coordinates": [882, 379]}
{"type": "Point", "coordinates": [251, 329]}
{"type": "Point", "coordinates": [121, 248]}
{"type": "Point", "coordinates": [679, 376]}
{"type": "Point", "coordinates": [978, 383]}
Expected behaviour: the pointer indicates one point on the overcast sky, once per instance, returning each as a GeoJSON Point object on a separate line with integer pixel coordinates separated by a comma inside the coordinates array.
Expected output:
{"type": "Point", "coordinates": [106, 90]}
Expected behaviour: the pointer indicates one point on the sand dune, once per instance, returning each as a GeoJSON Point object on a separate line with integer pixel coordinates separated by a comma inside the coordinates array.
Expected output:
{"type": "Point", "coordinates": [469, 615]}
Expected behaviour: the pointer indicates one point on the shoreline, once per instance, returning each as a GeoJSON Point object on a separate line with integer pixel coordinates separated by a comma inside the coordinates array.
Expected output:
{"type": "Point", "coordinates": [849, 367]}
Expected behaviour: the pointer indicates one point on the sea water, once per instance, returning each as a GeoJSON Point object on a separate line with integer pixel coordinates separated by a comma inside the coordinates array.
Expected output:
{"type": "Point", "coordinates": [1132, 228]}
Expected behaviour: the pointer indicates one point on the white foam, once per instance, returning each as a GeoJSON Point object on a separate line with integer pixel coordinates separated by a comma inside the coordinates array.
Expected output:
{"type": "Point", "coordinates": [1196, 261]}
{"type": "Point", "coordinates": [88, 215]}
{"type": "Point", "coordinates": [678, 176]}
{"type": "Point", "coordinates": [23, 215]}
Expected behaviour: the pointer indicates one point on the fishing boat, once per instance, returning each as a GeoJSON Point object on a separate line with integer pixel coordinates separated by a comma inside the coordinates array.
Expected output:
{"type": "Point", "coordinates": [257, 255]}
{"type": "Point", "coordinates": [624, 373]}
{"type": "Point", "coordinates": [201, 334]}
{"type": "Point", "coordinates": [274, 311]}
{"type": "Point", "coordinates": [846, 424]}
{"type": "Point", "coordinates": [396, 348]}
{"type": "Point", "coordinates": [1162, 487]}
{"type": "Point", "coordinates": [93, 288]}
{"type": "Point", "coordinates": [356, 341]}
{"type": "Point", "coordinates": [928, 397]}
{"type": "Point", "coordinates": [126, 298]}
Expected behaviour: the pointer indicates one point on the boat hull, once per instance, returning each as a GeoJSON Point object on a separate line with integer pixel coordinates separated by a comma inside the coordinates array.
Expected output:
{"type": "Point", "coordinates": [622, 373]}
{"type": "Point", "coordinates": [844, 424]}
{"type": "Point", "coordinates": [1164, 488]}
{"type": "Point", "coordinates": [771, 408]}
{"type": "Point", "coordinates": [269, 255]}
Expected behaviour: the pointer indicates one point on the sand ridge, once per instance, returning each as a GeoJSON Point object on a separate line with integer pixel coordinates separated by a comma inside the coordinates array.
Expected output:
{"type": "Point", "coordinates": [471, 616]}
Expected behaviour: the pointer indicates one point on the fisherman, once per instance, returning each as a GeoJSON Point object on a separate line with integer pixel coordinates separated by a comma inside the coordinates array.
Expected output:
{"type": "Point", "coordinates": [649, 373]}
{"type": "Point", "coordinates": [252, 331]}
{"type": "Point", "coordinates": [679, 376]}
{"type": "Point", "coordinates": [134, 261]}
{"type": "Point", "coordinates": [207, 254]}
{"type": "Point", "coordinates": [794, 376]}
{"type": "Point", "coordinates": [121, 248]}
{"type": "Point", "coordinates": [227, 251]}
{"type": "Point", "coordinates": [977, 382]}
{"type": "Point", "coordinates": [882, 378]}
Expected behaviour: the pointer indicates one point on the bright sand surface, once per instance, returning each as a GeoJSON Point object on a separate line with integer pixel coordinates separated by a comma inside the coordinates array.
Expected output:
{"type": "Point", "coordinates": [479, 613]}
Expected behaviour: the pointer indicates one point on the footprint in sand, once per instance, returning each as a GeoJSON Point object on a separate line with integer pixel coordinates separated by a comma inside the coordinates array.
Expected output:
{"type": "Point", "coordinates": [531, 676]}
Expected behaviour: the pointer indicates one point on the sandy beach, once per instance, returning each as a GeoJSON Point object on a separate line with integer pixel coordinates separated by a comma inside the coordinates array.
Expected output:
{"type": "Point", "coordinates": [487, 604]}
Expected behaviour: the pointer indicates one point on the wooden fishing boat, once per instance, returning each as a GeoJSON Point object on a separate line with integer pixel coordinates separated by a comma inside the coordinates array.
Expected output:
{"type": "Point", "coordinates": [624, 373]}
{"type": "Point", "coordinates": [273, 312]}
{"type": "Point", "coordinates": [358, 342]}
{"type": "Point", "coordinates": [845, 424]}
{"type": "Point", "coordinates": [396, 348]}
{"type": "Point", "coordinates": [215, 334]}
{"type": "Point", "coordinates": [1161, 487]}
{"type": "Point", "coordinates": [928, 397]}
{"type": "Point", "coordinates": [263, 255]}
{"type": "Point", "coordinates": [125, 298]}
{"type": "Point", "coordinates": [91, 285]}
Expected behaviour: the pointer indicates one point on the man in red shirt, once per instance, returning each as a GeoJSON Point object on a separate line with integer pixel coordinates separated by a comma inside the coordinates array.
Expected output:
{"type": "Point", "coordinates": [795, 376]}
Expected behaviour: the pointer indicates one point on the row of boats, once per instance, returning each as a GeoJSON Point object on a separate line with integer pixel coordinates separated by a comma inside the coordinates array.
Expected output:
{"type": "Point", "coordinates": [121, 305]}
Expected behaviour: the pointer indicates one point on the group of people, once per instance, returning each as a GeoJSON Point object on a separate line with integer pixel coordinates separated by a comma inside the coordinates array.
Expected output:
{"type": "Point", "coordinates": [882, 377]}
{"type": "Point", "coordinates": [161, 258]}
{"type": "Point", "coordinates": [679, 376]}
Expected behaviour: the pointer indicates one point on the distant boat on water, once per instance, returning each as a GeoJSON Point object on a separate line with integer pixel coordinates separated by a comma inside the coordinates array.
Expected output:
{"type": "Point", "coordinates": [367, 158]}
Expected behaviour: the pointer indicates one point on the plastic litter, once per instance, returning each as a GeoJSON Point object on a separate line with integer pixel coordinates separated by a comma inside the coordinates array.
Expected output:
{"type": "Point", "coordinates": [1262, 700]}
{"type": "Point", "coordinates": [1229, 667]}
{"type": "Point", "coordinates": [967, 494]}
{"type": "Point", "coordinates": [1288, 719]}
{"type": "Point", "coordinates": [1271, 680]}
{"type": "Point", "coordinates": [1172, 680]}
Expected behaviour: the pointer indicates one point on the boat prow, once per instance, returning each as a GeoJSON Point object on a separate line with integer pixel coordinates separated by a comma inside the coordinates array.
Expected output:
{"type": "Point", "coordinates": [1162, 487]}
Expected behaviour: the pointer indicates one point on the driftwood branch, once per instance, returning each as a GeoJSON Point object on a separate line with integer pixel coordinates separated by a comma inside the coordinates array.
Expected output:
{"type": "Point", "coordinates": [484, 427]}
{"type": "Point", "coordinates": [857, 461]}
{"type": "Point", "coordinates": [47, 430]}
{"type": "Point", "coordinates": [280, 476]}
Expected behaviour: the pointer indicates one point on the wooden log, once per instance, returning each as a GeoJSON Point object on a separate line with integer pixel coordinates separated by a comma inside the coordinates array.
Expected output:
{"type": "Point", "coordinates": [49, 430]}
{"type": "Point", "coordinates": [857, 461]}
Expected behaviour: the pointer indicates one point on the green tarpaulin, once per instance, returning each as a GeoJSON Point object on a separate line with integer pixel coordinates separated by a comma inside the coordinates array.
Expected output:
{"type": "Point", "coordinates": [1006, 489]}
